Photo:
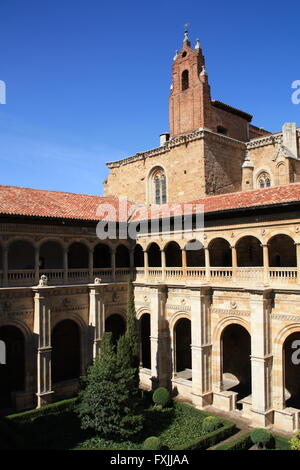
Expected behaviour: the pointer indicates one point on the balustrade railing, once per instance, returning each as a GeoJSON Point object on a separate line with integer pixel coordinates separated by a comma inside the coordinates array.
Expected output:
{"type": "Point", "coordinates": [243, 275]}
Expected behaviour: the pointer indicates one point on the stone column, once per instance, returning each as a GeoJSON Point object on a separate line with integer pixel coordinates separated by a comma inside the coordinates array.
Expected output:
{"type": "Point", "coordinates": [207, 263]}
{"type": "Point", "coordinates": [66, 265]}
{"type": "Point", "coordinates": [234, 262]}
{"type": "Point", "coordinates": [201, 346]}
{"type": "Point", "coordinates": [96, 319]}
{"type": "Point", "coordinates": [42, 331]}
{"type": "Point", "coordinates": [160, 338]}
{"type": "Point", "coordinates": [298, 262]}
{"type": "Point", "coordinates": [266, 263]}
{"type": "Point", "coordinates": [146, 264]}
{"type": "Point", "coordinates": [163, 263]}
{"type": "Point", "coordinates": [183, 256]}
{"type": "Point", "coordinates": [261, 358]}
{"type": "Point", "coordinates": [91, 264]}
{"type": "Point", "coordinates": [113, 264]}
{"type": "Point", "coordinates": [5, 266]}
{"type": "Point", "coordinates": [36, 263]}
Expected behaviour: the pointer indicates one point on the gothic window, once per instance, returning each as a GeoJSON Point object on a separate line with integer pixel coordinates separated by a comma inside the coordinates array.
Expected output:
{"type": "Point", "coordinates": [157, 186]}
{"type": "Point", "coordinates": [185, 80]}
{"type": "Point", "coordinates": [264, 180]}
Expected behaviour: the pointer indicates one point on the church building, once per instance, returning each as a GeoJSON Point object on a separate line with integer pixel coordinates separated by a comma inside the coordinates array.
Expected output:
{"type": "Point", "coordinates": [215, 258]}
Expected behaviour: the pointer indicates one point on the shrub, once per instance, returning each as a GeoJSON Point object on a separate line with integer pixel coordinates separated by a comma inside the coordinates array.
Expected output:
{"type": "Point", "coordinates": [109, 401]}
{"type": "Point", "coordinates": [210, 424]}
{"type": "Point", "coordinates": [295, 442]}
{"type": "Point", "coordinates": [151, 443]}
{"type": "Point", "coordinates": [261, 437]}
{"type": "Point", "coordinates": [161, 396]}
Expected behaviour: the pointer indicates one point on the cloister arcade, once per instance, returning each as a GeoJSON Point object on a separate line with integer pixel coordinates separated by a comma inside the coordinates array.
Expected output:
{"type": "Point", "coordinates": [276, 259]}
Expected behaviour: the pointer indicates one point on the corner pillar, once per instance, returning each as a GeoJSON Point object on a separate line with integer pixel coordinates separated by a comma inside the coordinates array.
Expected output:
{"type": "Point", "coordinates": [261, 357]}
{"type": "Point", "coordinates": [42, 330]}
{"type": "Point", "coordinates": [201, 346]}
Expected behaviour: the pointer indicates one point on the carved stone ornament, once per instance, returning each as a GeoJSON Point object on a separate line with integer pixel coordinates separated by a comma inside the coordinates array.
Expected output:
{"type": "Point", "coordinates": [43, 281]}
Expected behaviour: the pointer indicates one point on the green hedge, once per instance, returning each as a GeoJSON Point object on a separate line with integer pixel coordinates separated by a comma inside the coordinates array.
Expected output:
{"type": "Point", "coordinates": [58, 407]}
{"type": "Point", "coordinates": [212, 438]}
{"type": "Point", "coordinates": [281, 443]}
{"type": "Point", "coordinates": [245, 442]}
{"type": "Point", "coordinates": [241, 443]}
{"type": "Point", "coordinates": [41, 428]}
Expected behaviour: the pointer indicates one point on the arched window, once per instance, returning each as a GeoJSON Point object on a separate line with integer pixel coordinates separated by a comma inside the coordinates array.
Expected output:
{"type": "Point", "coordinates": [264, 180]}
{"type": "Point", "coordinates": [157, 186]}
{"type": "Point", "coordinates": [185, 80]}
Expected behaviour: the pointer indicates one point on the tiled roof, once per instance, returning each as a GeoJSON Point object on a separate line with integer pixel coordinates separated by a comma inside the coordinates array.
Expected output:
{"type": "Point", "coordinates": [53, 204]}
{"type": "Point", "coordinates": [225, 202]}
{"type": "Point", "coordinates": [42, 203]}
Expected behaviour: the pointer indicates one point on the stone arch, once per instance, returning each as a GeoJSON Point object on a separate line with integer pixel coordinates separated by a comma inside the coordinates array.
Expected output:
{"type": "Point", "coordinates": [195, 257]}
{"type": "Point", "coordinates": [279, 393]}
{"type": "Point", "coordinates": [122, 256]}
{"type": "Point", "coordinates": [220, 252]}
{"type": "Point", "coordinates": [115, 324]}
{"type": "Point", "coordinates": [145, 342]}
{"type": "Point", "coordinates": [78, 255]}
{"type": "Point", "coordinates": [154, 255]}
{"type": "Point", "coordinates": [66, 360]}
{"type": "Point", "coordinates": [157, 185]}
{"type": "Point", "coordinates": [102, 256]}
{"type": "Point", "coordinates": [249, 251]}
{"type": "Point", "coordinates": [263, 179]}
{"type": "Point", "coordinates": [138, 256]}
{"type": "Point", "coordinates": [182, 340]}
{"type": "Point", "coordinates": [21, 254]}
{"type": "Point", "coordinates": [13, 372]}
{"type": "Point", "coordinates": [51, 254]}
{"type": "Point", "coordinates": [173, 255]}
{"type": "Point", "coordinates": [282, 251]}
{"type": "Point", "coordinates": [235, 348]}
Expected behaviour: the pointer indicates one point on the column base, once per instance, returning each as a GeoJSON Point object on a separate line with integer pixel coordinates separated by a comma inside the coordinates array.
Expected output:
{"type": "Point", "coordinates": [225, 401]}
{"type": "Point", "coordinates": [287, 419]}
{"type": "Point", "coordinates": [44, 398]}
{"type": "Point", "coordinates": [201, 401]}
{"type": "Point", "coordinates": [262, 419]}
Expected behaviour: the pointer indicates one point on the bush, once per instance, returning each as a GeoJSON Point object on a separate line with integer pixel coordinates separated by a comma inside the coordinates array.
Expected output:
{"type": "Point", "coordinates": [161, 396]}
{"type": "Point", "coordinates": [295, 442]}
{"type": "Point", "coordinates": [210, 439]}
{"type": "Point", "coordinates": [240, 443]}
{"type": "Point", "coordinates": [151, 443]}
{"type": "Point", "coordinates": [210, 424]}
{"type": "Point", "coordinates": [109, 401]}
{"type": "Point", "coordinates": [261, 437]}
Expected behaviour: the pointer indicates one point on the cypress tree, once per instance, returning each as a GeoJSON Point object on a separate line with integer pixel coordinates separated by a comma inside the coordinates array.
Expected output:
{"type": "Point", "coordinates": [132, 329]}
{"type": "Point", "coordinates": [108, 401]}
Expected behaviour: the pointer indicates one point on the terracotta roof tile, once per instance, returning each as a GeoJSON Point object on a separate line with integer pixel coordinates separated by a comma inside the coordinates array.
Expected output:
{"type": "Point", "coordinates": [53, 204]}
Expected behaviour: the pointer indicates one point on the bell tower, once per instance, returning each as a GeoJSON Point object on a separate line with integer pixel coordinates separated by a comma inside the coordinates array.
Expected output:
{"type": "Point", "coordinates": [189, 102]}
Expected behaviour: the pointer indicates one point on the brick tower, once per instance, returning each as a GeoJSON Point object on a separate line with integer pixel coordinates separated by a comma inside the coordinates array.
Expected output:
{"type": "Point", "coordinates": [190, 92]}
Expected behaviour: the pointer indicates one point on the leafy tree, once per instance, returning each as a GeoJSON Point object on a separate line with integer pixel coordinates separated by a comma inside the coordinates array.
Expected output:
{"type": "Point", "coordinates": [132, 330]}
{"type": "Point", "coordinates": [108, 401]}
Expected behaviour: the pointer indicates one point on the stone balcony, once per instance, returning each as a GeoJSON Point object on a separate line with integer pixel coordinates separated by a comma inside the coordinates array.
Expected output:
{"type": "Point", "coordinates": [287, 277]}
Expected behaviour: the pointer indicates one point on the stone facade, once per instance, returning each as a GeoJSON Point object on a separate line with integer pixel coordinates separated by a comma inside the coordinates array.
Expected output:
{"type": "Point", "coordinates": [217, 324]}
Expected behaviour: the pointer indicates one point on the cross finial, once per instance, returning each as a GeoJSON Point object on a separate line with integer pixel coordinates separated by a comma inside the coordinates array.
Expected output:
{"type": "Point", "coordinates": [186, 31]}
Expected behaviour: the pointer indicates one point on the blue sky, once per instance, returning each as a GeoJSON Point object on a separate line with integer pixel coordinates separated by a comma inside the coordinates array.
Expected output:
{"type": "Point", "coordinates": [88, 81]}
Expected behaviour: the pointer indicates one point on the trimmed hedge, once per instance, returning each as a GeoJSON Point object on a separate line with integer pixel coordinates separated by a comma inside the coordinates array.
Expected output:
{"type": "Point", "coordinates": [241, 443]}
{"type": "Point", "coordinates": [161, 396]}
{"type": "Point", "coordinates": [212, 438]}
{"type": "Point", "coordinates": [210, 424]}
{"type": "Point", "coordinates": [151, 443]}
{"type": "Point", "coordinates": [41, 428]}
{"type": "Point", "coordinates": [58, 407]}
{"type": "Point", "coordinates": [245, 442]}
